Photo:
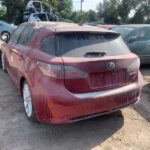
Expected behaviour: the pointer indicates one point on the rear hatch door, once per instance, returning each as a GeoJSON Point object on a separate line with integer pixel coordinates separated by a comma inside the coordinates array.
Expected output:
{"type": "Point", "coordinates": [95, 61]}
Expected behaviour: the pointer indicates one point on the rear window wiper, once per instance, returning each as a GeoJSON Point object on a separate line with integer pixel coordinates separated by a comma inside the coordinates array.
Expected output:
{"type": "Point", "coordinates": [95, 54]}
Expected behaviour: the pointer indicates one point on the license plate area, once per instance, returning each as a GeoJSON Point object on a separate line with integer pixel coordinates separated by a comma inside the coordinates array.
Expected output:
{"type": "Point", "coordinates": [109, 79]}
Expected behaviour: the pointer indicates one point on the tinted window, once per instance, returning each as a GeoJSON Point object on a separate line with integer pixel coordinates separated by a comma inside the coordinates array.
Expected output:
{"type": "Point", "coordinates": [48, 45]}
{"type": "Point", "coordinates": [27, 35]}
{"type": "Point", "coordinates": [37, 6]}
{"type": "Point", "coordinates": [16, 34]}
{"type": "Point", "coordinates": [80, 44]}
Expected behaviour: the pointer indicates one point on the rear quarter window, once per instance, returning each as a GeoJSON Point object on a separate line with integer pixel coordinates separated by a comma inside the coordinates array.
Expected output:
{"type": "Point", "coordinates": [17, 33]}
{"type": "Point", "coordinates": [48, 45]}
{"type": "Point", "coordinates": [27, 35]}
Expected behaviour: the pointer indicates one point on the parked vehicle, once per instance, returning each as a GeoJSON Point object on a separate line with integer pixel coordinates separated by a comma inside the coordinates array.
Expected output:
{"type": "Point", "coordinates": [37, 10]}
{"type": "Point", "coordinates": [107, 26]}
{"type": "Point", "coordinates": [41, 17]}
{"type": "Point", "coordinates": [39, 7]}
{"type": "Point", "coordinates": [93, 23]}
{"type": "Point", "coordinates": [6, 29]}
{"type": "Point", "coordinates": [102, 25]}
{"type": "Point", "coordinates": [137, 37]}
{"type": "Point", "coordinates": [67, 72]}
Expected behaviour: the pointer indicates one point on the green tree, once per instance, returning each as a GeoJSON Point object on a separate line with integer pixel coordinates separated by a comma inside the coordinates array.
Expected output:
{"type": "Point", "coordinates": [142, 14]}
{"type": "Point", "coordinates": [125, 7]}
{"type": "Point", "coordinates": [79, 16]}
{"type": "Point", "coordinates": [108, 10]}
{"type": "Point", "coordinates": [63, 7]}
{"type": "Point", "coordinates": [91, 16]}
{"type": "Point", "coordinates": [2, 11]}
{"type": "Point", "coordinates": [14, 8]}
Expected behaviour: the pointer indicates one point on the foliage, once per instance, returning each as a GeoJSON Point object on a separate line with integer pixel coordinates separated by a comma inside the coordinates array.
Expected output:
{"type": "Point", "coordinates": [118, 11]}
{"type": "Point", "coordinates": [108, 10]}
{"type": "Point", "coordinates": [2, 11]}
{"type": "Point", "coordinates": [142, 14]}
{"type": "Point", "coordinates": [111, 11]}
{"type": "Point", "coordinates": [82, 16]}
{"type": "Point", "coordinates": [63, 7]}
{"type": "Point", "coordinates": [125, 7]}
{"type": "Point", "coordinates": [14, 8]}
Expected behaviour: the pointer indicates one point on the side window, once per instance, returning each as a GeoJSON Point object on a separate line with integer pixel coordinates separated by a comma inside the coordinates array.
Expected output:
{"type": "Point", "coordinates": [142, 34]}
{"type": "Point", "coordinates": [16, 34]}
{"type": "Point", "coordinates": [48, 45]}
{"type": "Point", "coordinates": [146, 36]}
{"type": "Point", "coordinates": [27, 35]}
{"type": "Point", "coordinates": [37, 6]}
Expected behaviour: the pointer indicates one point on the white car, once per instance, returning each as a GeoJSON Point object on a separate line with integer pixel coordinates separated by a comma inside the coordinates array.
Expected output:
{"type": "Point", "coordinates": [39, 7]}
{"type": "Point", "coordinates": [42, 17]}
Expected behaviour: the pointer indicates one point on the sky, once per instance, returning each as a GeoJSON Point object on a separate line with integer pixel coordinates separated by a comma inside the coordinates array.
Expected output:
{"type": "Point", "coordinates": [87, 4]}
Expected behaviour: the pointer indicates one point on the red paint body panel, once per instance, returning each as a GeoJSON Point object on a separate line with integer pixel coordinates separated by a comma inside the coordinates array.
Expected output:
{"type": "Point", "coordinates": [70, 100]}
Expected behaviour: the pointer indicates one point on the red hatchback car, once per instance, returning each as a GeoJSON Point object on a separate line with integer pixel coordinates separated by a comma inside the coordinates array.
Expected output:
{"type": "Point", "coordinates": [68, 72]}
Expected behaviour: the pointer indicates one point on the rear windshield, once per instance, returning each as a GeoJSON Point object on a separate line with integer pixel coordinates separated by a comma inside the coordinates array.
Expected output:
{"type": "Point", "coordinates": [87, 45]}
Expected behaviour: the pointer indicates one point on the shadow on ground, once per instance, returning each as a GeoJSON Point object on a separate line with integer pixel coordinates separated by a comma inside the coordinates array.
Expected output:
{"type": "Point", "coordinates": [17, 133]}
{"type": "Point", "coordinates": [145, 70]}
{"type": "Point", "coordinates": [143, 107]}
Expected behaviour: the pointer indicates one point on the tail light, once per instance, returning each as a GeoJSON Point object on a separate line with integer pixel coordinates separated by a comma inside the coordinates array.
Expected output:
{"type": "Point", "coordinates": [134, 68]}
{"type": "Point", "coordinates": [135, 64]}
{"type": "Point", "coordinates": [61, 72]}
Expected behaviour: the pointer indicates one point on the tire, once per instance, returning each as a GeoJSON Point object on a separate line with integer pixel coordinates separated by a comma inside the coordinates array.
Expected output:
{"type": "Point", "coordinates": [28, 103]}
{"type": "Point", "coordinates": [3, 62]}
{"type": "Point", "coordinates": [6, 33]}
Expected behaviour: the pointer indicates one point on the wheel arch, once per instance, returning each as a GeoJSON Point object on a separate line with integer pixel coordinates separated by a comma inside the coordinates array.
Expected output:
{"type": "Point", "coordinates": [22, 80]}
{"type": "Point", "coordinates": [5, 32]}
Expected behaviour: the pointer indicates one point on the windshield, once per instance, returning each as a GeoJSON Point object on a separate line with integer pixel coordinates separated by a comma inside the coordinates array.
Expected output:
{"type": "Point", "coordinates": [124, 31]}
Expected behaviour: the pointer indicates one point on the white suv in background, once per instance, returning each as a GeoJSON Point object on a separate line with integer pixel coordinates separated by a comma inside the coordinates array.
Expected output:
{"type": "Point", "coordinates": [39, 7]}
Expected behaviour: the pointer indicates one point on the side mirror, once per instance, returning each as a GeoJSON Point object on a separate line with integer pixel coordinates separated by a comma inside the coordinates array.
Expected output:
{"type": "Point", "coordinates": [132, 39]}
{"type": "Point", "coordinates": [5, 38]}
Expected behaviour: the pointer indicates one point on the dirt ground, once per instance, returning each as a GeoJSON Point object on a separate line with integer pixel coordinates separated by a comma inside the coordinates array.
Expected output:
{"type": "Point", "coordinates": [128, 129]}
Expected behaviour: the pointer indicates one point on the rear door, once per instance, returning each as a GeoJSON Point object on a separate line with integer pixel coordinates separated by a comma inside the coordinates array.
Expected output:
{"type": "Point", "coordinates": [96, 62]}
{"type": "Point", "coordinates": [22, 49]}
{"type": "Point", "coordinates": [11, 49]}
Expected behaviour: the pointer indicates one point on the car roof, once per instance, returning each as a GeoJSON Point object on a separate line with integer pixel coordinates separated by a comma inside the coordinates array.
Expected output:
{"type": "Point", "coordinates": [4, 23]}
{"type": "Point", "coordinates": [135, 25]}
{"type": "Point", "coordinates": [68, 27]}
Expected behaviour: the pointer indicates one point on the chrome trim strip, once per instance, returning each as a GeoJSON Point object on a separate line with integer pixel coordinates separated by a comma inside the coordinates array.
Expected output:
{"type": "Point", "coordinates": [106, 93]}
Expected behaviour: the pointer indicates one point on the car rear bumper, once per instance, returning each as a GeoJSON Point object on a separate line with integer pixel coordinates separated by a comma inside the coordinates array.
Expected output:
{"type": "Point", "coordinates": [61, 106]}
{"type": "Point", "coordinates": [80, 118]}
